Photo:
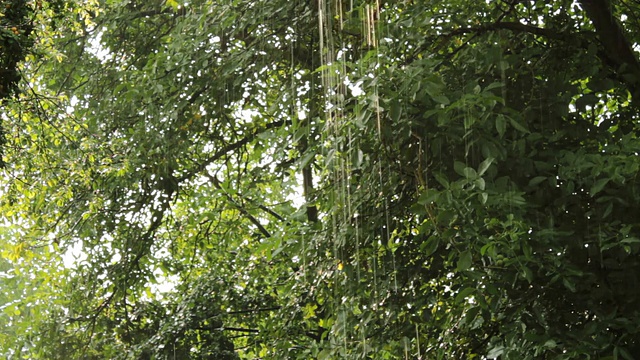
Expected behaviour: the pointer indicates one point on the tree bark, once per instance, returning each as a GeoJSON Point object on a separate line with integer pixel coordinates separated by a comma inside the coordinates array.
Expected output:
{"type": "Point", "coordinates": [618, 50]}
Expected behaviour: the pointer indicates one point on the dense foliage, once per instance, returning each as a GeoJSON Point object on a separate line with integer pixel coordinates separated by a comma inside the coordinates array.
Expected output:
{"type": "Point", "coordinates": [294, 180]}
{"type": "Point", "coordinates": [15, 43]}
{"type": "Point", "coordinates": [18, 20]}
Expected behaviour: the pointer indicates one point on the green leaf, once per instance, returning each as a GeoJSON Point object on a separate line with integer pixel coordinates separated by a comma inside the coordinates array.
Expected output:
{"type": "Point", "coordinates": [395, 112]}
{"type": "Point", "coordinates": [493, 85]}
{"type": "Point", "coordinates": [306, 159]}
{"type": "Point", "coordinates": [309, 311]}
{"type": "Point", "coordinates": [428, 196]}
{"type": "Point", "coordinates": [607, 211]}
{"type": "Point", "coordinates": [440, 178]}
{"type": "Point", "coordinates": [172, 3]}
{"type": "Point", "coordinates": [486, 248]}
{"type": "Point", "coordinates": [469, 173]}
{"type": "Point", "coordinates": [630, 240]}
{"type": "Point", "coordinates": [463, 294]}
{"type": "Point", "coordinates": [501, 125]}
{"type": "Point", "coordinates": [484, 166]}
{"type": "Point", "coordinates": [569, 284]}
{"type": "Point", "coordinates": [598, 186]}
{"type": "Point", "coordinates": [586, 100]}
{"type": "Point", "coordinates": [516, 125]}
{"type": "Point", "coordinates": [624, 353]}
{"type": "Point", "coordinates": [495, 352]}
{"type": "Point", "coordinates": [464, 262]}
{"type": "Point", "coordinates": [459, 167]}
{"type": "Point", "coordinates": [430, 245]}
{"type": "Point", "coordinates": [527, 273]}
{"type": "Point", "coordinates": [441, 99]}
{"type": "Point", "coordinates": [537, 180]}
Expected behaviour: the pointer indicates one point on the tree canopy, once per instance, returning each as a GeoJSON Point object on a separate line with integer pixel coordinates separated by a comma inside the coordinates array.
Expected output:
{"type": "Point", "coordinates": [325, 179]}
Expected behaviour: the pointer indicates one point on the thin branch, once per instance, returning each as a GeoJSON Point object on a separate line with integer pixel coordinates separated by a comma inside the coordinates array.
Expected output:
{"type": "Point", "coordinates": [252, 331]}
{"type": "Point", "coordinates": [250, 311]}
{"type": "Point", "coordinates": [262, 207]}
{"type": "Point", "coordinates": [229, 148]}
{"type": "Point", "coordinates": [513, 26]}
{"type": "Point", "coordinates": [240, 208]}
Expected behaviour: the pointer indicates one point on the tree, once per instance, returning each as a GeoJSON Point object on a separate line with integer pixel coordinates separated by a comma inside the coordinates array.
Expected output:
{"type": "Point", "coordinates": [444, 179]}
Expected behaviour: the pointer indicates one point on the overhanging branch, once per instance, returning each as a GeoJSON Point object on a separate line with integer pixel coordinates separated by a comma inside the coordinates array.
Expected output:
{"type": "Point", "coordinates": [499, 25]}
{"type": "Point", "coordinates": [513, 26]}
